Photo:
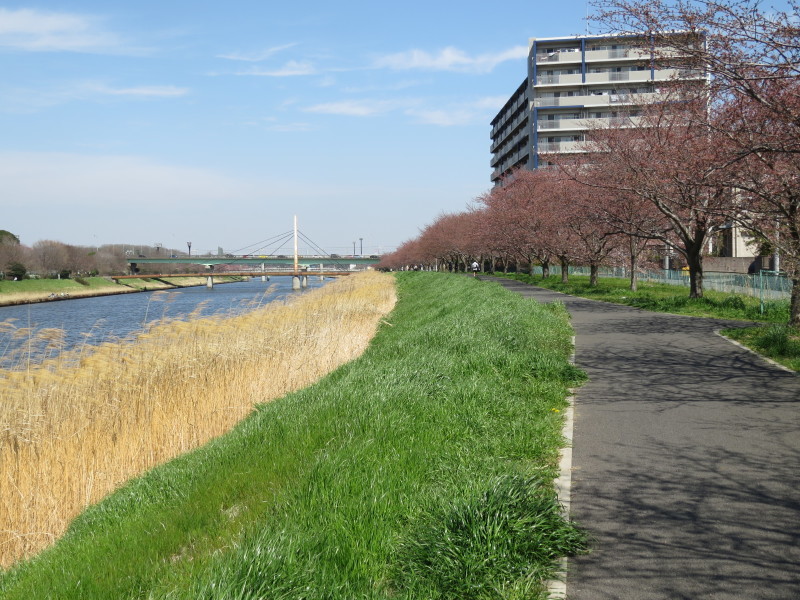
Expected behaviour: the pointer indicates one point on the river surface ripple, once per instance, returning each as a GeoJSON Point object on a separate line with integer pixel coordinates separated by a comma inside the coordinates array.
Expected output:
{"type": "Point", "coordinates": [109, 318]}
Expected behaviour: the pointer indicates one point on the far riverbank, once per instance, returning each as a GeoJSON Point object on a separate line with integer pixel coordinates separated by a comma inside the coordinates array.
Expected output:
{"type": "Point", "coordinates": [31, 291]}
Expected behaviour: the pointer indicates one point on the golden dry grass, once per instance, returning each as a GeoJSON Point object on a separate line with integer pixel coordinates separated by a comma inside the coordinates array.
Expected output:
{"type": "Point", "coordinates": [74, 428]}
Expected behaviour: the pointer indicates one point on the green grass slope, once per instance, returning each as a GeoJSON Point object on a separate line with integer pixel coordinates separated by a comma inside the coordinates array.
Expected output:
{"type": "Point", "coordinates": [421, 470]}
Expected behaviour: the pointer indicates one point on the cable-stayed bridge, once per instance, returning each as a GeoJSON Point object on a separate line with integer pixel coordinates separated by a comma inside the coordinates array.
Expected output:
{"type": "Point", "coordinates": [259, 259]}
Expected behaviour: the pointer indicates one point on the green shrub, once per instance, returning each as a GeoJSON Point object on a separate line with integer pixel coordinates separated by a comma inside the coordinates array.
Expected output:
{"type": "Point", "coordinates": [473, 549]}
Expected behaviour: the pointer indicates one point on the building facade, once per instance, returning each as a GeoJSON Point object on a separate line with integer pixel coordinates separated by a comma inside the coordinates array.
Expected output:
{"type": "Point", "coordinates": [574, 84]}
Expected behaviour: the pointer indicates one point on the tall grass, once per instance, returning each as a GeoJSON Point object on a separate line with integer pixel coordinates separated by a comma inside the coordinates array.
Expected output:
{"type": "Point", "coordinates": [75, 428]}
{"type": "Point", "coordinates": [779, 342]}
{"type": "Point", "coordinates": [421, 470]}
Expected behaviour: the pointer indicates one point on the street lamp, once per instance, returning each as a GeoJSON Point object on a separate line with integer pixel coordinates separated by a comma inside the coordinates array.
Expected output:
{"type": "Point", "coordinates": [361, 250]}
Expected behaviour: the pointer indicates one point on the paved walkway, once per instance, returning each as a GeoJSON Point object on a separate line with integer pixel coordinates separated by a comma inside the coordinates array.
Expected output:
{"type": "Point", "coordinates": [686, 460]}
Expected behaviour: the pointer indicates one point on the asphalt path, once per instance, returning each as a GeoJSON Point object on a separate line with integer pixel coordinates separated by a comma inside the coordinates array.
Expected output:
{"type": "Point", "coordinates": [685, 459]}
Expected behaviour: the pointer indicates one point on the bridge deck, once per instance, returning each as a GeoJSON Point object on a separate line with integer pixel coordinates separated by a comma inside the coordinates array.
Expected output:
{"type": "Point", "coordinates": [236, 274]}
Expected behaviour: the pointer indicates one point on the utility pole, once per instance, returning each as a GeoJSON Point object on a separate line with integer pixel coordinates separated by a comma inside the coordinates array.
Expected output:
{"type": "Point", "coordinates": [361, 250]}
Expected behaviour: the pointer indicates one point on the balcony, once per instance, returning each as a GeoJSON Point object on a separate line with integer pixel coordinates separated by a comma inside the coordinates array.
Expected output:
{"type": "Point", "coordinates": [573, 78]}
{"type": "Point", "coordinates": [617, 54]}
{"type": "Point", "coordinates": [609, 76]}
{"type": "Point", "coordinates": [675, 74]}
{"type": "Point", "coordinates": [595, 100]}
{"type": "Point", "coordinates": [559, 55]}
{"type": "Point", "coordinates": [587, 123]}
{"type": "Point", "coordinates": [551, 147]}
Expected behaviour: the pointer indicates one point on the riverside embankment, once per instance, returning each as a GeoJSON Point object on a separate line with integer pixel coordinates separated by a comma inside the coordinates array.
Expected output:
{"type": "Point", "coordinates": [421, 469]}
{"type": "Point", "coordinates": [29, 291]}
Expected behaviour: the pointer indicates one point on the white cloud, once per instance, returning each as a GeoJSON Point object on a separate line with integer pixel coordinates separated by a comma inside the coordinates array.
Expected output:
{"type": "Point", "coordinates": [160, 91]}
{"type": "Point", "coordinates": [354, 108]}
{"type": "Point", "coordinates": [444, 118]}
{"type": "Point", "coordinates": [450, 59]}
{"type": "Point", "coordinates": [292, 68]}
{"type": "Point", "coordinates": [256, 56]}
{"type": "Point", "coordinates": [389, 87]}
{"type": "Point", "coordinates": [30, 100]}
{"type": "Point", "coordinates": [35, 30]}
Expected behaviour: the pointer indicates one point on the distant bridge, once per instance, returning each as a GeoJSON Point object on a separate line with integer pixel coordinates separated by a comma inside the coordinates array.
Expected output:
{"type": "Point", "coordinates": [332, 260]}
{"type": "Point", "coordinates": [320, 265]}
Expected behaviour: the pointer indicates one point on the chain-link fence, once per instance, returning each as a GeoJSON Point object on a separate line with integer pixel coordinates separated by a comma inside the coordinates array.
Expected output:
{"type": "Point", "coordinates": [766, 285]}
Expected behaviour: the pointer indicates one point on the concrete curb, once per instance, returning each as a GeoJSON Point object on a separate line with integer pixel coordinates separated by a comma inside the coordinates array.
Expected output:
{"type": "Point", "coordinates": [563, 484]}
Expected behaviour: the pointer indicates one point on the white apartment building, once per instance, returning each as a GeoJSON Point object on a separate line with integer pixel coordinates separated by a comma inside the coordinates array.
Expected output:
{"type": "Point", "coordinates": [574, 84]}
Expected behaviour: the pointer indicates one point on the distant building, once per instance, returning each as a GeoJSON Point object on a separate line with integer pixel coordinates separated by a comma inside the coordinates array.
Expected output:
{"type": "Point", "coordinates": [577, 83]}
{"type": "Point", "coordinates": [574, 84]}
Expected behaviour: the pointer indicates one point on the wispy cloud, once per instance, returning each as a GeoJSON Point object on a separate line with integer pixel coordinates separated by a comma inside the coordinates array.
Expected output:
{"type": "Point", "coordinates": [256, 56]}
{"type": "Point", "coordinates": [388, 87]}
{"type": "Point", "coordinates": [466, 113]}
{"type": "Point", "coordinates": [42, 31]}
{"type": "Point", "coordinates": [293, 68]}
{"type": "Point", "coordinates": [443, 118]}
{"type": "Point", "coordinates": [449, 59]}
{"type": "Point", "coordinates": [355, 108]}
{"type": "Point", "coordinates": [156, 91]}
{"type": "Point", "coordinates": [418, 109]}
{"type": "Point", "coordinates": [31, 100]}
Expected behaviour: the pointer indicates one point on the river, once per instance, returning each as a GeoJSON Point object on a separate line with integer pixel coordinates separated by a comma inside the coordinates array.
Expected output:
{"type": "Point", "coordinates": [109, 318]}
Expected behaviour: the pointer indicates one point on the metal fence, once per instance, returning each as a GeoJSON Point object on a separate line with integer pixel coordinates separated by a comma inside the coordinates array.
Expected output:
{"type": "Point", "coordinates": [766, 285]}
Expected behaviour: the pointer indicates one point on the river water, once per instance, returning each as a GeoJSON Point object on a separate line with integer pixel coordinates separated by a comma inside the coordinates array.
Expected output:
{"type": "Point", "coordinates": [109, 318]}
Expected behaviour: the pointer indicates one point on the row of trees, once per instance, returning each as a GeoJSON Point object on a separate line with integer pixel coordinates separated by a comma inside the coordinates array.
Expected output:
{"type": "Point", "coordinates": [48, 258]}
{"type": "Point", "coordinates": [704, 158]}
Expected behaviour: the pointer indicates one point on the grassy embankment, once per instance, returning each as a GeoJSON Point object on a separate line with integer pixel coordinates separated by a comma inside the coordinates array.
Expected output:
{"type": "Point", "coordinates": [773, 339]}
{"type": "Point", "coordinates": [74, 427]}
{"type": "Point", "coordinates": [421, 470]}
{"type": "Point", "coordinates": [43, 290]}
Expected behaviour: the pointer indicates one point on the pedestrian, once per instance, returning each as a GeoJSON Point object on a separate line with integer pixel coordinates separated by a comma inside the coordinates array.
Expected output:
{"type": "Point", "coordinates": [475, 268]}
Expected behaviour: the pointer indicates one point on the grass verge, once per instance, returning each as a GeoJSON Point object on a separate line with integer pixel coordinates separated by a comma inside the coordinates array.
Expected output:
{"type": "Point", "coordinates": [777, 341]}
{"type": "Point", "coordinates": [422, 469]}
{"type": "Point", "coordinates": [781, 343]}
{"type": "Point", "coordinates": [661, 297]}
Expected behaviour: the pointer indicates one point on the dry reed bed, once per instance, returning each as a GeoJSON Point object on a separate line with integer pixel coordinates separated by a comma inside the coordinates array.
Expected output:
{"type": "Point", "coordinates": [71, 434]}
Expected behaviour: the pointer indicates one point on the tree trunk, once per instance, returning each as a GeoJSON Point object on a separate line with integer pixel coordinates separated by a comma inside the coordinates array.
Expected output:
{"type": "Point", "coordinates": [634, 262]}
{"type": "Point", "coordinates": [593, 269]}
{"type": "Point", "coordinates": [695, 261]}
{"type": "Point", "coordinates": [564, 271]}
{"type": "Point", "coordinates": [794, 306]}
{"type": "Point", "coordinates": [545, 269]}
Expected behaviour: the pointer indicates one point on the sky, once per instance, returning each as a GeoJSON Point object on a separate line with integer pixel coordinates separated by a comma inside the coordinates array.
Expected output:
{"type": "Point", "coordinates": [216, 123]}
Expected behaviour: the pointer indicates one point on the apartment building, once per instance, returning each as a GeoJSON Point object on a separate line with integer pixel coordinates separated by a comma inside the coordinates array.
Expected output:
{"type": "Point", "coordinates": [574, 84]}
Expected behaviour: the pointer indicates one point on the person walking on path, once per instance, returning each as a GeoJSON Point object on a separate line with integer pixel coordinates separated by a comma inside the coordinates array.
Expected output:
{"type": "Point", "coordinates": [684, 459]}
{"type": "Point", "coordinates": [475, 267]}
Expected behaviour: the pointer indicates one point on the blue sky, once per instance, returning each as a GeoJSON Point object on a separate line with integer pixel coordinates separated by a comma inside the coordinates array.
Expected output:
{"type": "Point", "coordinates": [217, 122]}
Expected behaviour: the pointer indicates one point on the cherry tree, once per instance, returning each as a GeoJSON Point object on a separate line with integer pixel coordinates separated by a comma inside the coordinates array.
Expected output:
{"type": "Point", "coordinates": [670, 160]}
{"type": "Point", "coordinates": [581, 211]}
{"type": "Point", "coordinates": [515, 217]}
{"type": "Point", "coordinates": [752, 54]}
